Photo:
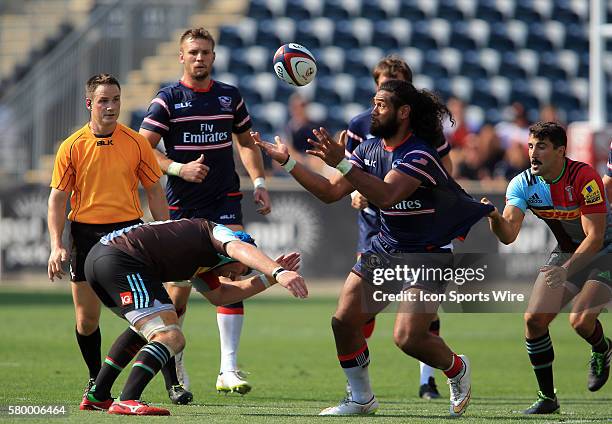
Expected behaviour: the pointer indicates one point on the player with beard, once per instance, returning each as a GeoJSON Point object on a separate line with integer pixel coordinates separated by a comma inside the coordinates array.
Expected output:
{"type": "Point", "coordinates": [368, 220]}
{"type": "Point", "coordinates": [422, 210]}
{"type": "Point", "coordinates": [197, 117]}
{"type": "Point", "coordinates": [568, 196]}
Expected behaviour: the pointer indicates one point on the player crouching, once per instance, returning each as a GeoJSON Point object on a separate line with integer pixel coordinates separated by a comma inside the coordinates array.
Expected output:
{"type": "Point", "coordinates": [127, 269]}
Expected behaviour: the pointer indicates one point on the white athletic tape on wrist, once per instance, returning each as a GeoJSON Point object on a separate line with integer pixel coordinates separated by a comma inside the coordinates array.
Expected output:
{"type": "Point", "coordinates": [174, 169]}
{"type": "Point", "coordinates": [344, 166]}
{"type": "Point", "coordinates": [264, 279]}
{"type": "Point", "coordinates": [259, 182]}
{"type": "Point", "coordinates": [290, 165]}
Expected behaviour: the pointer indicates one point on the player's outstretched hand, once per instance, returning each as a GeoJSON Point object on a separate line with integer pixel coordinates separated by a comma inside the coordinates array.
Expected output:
{"type": "Point", "coordinates": [326, 148]}
{"type": "Point", "coordinates": [54, 266]}
{"type": "Point", "coordinates": [261, 197]}
{"type": "Point", "coordinates": [293, 282]}
{"type": "Point", "coordinates": [277, 151]}
{"type": "Point", "coordinates": [194, 171]}
{"type": "Point", "coordinates": [488, 202]}
{"type": "Point", "coordinates": [290, 261]}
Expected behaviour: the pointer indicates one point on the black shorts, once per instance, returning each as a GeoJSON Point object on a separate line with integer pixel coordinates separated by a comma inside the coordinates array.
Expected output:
{"type": "Point", "coordinates": [83, 237]}
{"type": "Point", "coordinates": [121, 282]}
{"type": "Point", "coordinates": [426, 271]}
{"type": "Point", "coordinates": [225, 211]}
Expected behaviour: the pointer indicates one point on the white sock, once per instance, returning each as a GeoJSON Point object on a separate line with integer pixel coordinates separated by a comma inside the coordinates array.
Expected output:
{"type": "Point", "coordinates": [426, 372]}
{"type": "Point", "coordinates": [230, 327]}
{"type": "Point", "coordinates": [359, 379]}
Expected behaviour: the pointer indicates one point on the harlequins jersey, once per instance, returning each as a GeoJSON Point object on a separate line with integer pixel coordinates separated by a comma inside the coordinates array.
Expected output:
{"type": "Point", "coordinates": [577, 191]}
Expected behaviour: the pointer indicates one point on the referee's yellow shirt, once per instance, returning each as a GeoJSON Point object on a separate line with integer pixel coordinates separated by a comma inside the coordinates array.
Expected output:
{"type": "Point", "coordinates": [102, 174]}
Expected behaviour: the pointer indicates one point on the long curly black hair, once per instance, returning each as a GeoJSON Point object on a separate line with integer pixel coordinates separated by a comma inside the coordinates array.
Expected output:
{"type": "Point", "coordinates": [427, 112]}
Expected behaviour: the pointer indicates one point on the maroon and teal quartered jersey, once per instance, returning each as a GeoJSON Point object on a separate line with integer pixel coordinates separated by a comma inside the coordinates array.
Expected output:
{"type": "Point", "coordinates": [577, 191]}
{"type": "Point", "coordinates": [436, 213]}
{"type": "Point", "coordinates": [194, 122]}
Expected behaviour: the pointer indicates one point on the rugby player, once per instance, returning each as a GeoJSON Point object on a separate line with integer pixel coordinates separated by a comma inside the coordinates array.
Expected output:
{"type": "Point", "coordinates": [569, 196]}
{"type": "Point", "coordinates": [400, 172]}
{"type": "Point", "coordinates": [127, 269]}
{"type": "Point", "coordinates": [196, 118]}
{"type": "Point", "coordinates": [368, 221]}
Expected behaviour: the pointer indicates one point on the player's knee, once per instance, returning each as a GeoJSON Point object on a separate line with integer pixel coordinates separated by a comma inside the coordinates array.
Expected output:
{"type": "Point", "coordinates": [173, 339]}
{"type": "Point", "coordinates": [582, 323]}
{"type": "Point", "coordinates": [536, 323]}
{"type": "Point", "coordinates": [407, 339]}
{"type": "Point", "coordinates": [86, 324]}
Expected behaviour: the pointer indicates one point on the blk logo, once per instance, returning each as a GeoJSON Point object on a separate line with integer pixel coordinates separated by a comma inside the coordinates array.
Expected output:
{"type": "Point", "coordinates": [104, 142]}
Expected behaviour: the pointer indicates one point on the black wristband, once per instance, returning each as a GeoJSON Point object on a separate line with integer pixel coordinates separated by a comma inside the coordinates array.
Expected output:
{"type": "Point", "coordinates": [285, 162]}
{"type": "Point", "coordinates": [277, 271]}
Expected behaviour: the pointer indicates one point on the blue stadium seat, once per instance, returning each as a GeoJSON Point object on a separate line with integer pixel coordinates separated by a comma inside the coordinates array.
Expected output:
{"type": "Point", "coordinates": [410, 11]}
{"type": "Point", "coordinates": [432, 67]}
{"type": "Point", "coordinates": [229, 36]}
{"type": "Point", "coordinates": [364, 91]}
{"type": "Point", "coordinates": [576, 38]}
{"type": "Point", "coordinates": [442, 87]}
{"type": "Point", "coordinates": [448, 10]}
{"type": "Point", "coordinates": [238, 65]}
{"type": "Point", "coordinates": [549, 67]}
{"type": "Point", "coordinates": [296, 10]}
{"type": "Point", "coordinates": [373, 10]}
{"type": "Point", "coordinates": [354, 64]}
{"type": "Point", "coordinates": [266, 35]}
{"type": "Point", "coordinates": [344, 35]}
{"type": "Point", "coordinates": [258, 9]}
{"type": "Point", "coordinates": [537, 39]}
{"type": "Point", "coordinates": [421, 38]}
{"type": "Point", "coordinates": [510, 67]}
{"type": "Point", "coordinates": [500, 41]}
{"type": "Point", "coordinates": [488, 12]}
{"type": "Point", "coordinates": [471, 67]}
{"type": "Point", "coordinates": [383, 37]}
{"type": "Point", "coordinates": [325, 92]}
{"type": "Point", "coordinates": [526, 14]}
{"type": "Point", "coordinates": [136, 118]}
{"type": "Point", "coordinates": [521, 93]}
{"type": "Point", "coordinates": [460, 38]}
{"type": "Point", "coordinates": [334, 10]}
{"type": "Point", "coordinates": [482, 96]}
{"type": "Point", "coordinates": [564, 14]}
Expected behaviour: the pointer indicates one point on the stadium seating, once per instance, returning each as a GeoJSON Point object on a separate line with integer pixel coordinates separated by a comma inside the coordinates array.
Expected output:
{"type": "Point", "coordinates": [487, 52]}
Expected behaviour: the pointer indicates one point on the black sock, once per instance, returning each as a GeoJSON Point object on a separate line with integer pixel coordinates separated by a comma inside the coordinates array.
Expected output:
{"type": "Point", "coordinates": [152, 357]}
{"type": "Point", "coordinates": [90, 349]}
{"type": "Point", "coordinates": [541, 355]}
{"type": "Point", "coordinates": [119, 356]}
{"type": "Point", "coordinates": [597, 340]}
{"type": "Point", "coordinates": [169, 373]}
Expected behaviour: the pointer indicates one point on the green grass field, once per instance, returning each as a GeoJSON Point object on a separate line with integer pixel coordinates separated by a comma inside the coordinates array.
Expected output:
{"type": "Point", "coordinates": [287, 347]}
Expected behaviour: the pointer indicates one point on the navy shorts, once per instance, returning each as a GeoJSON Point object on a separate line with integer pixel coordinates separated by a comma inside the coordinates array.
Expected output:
{"type": "Point", "coordinates": [599, 269]}
{"type": "Point", "coordinates": [424, 270]}
{"type": "Point", "coordinates": [368, 225]}
{"type": "Point", "coordinates": [122, 283]}
{"type": "Point", "coordinates": [84, 237]}
{"type": "Point", "coordinates": [225, 211]}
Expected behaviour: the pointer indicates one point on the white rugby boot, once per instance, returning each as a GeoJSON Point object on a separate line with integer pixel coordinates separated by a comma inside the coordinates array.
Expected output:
{"type": "Point", "coordinates": [460, 389]}
{"type": "Point", "coordinates": [181, 372]}
{"type": "Point", "coordinates": [349, 407]}
{"type": "Point", "coordinates": [233, 382]}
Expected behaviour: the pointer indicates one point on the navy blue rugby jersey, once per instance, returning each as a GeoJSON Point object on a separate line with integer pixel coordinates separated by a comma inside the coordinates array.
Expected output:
{"type": "Point", "coordinates": [436, 213]}
{"type": "Point", "coordinates": [194, 122]}
{"type": "Point", "coordinates": [359, 130]}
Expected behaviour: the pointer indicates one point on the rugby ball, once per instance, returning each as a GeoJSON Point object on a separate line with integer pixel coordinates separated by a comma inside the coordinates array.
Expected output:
{"type": "Point", "coordinates": [294, 64]}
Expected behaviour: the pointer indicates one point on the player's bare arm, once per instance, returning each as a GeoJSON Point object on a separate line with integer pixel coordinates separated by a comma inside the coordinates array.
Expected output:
{"type": "Point", "coordinates": [56, 217]}
{"type": "Point", "coordinates": [251, 158]}
{"type": "Point", "coordinates": [327, 190]}
{"type": "Point", "coordinates": [232, 291]}
{"type": "Point", "coordinates": [252, 257]}
{"type": "Point", "coordinates": [194, 171]}
{"type": "Point", "coordinates": [383, 193]}
{"type": "Point", "coordinates": [157, 202]}
{"type": "Point", "coordinates": [506, 227]}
